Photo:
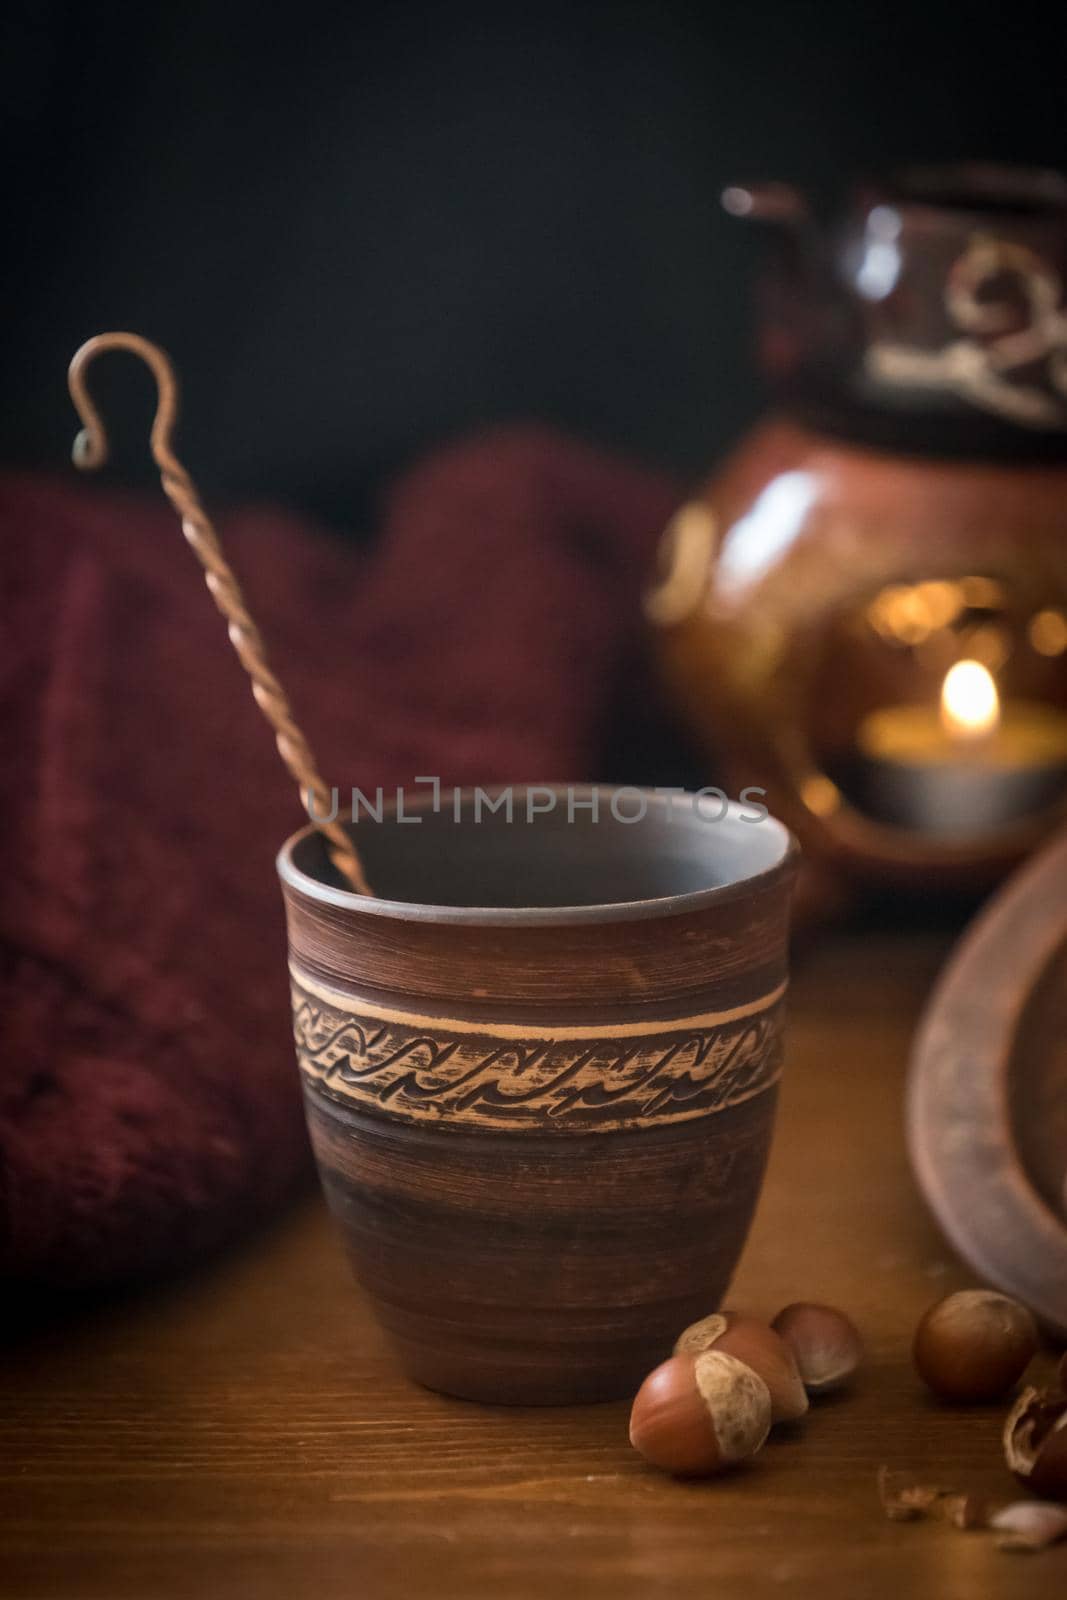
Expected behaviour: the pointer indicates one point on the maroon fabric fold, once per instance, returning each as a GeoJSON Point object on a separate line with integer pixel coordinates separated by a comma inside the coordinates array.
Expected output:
{"type": "Point", "coordinates": [149, 1106]}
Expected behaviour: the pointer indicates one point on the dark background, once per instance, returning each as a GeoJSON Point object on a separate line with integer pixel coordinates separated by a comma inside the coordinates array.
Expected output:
{"type": "Point", "coordinates": [363, 229]}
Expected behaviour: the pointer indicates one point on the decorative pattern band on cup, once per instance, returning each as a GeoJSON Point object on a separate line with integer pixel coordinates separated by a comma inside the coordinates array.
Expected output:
{"type": "Point", "coordinates": [501, 1076]}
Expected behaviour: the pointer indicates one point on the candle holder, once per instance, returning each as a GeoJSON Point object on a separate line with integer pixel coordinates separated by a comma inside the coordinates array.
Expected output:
{"type": "Point", "coordinates": [865, 610]}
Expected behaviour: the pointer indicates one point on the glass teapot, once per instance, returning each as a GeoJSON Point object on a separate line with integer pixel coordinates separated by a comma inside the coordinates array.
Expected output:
{"type": "Point", "coordinates": [865, 610]}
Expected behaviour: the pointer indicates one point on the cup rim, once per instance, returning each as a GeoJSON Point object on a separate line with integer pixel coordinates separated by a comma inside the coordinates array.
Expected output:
{"type": "Point", "coordinates": [532, 916]}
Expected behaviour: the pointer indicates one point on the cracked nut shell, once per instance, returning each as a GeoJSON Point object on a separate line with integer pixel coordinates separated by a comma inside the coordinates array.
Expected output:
{"type": "Point", "coordinates": [1035, 1442]}
{"type": "Point", "coordinates": [1029, 1525]}
{"type": "Point", "coordinates": [825, 1344]}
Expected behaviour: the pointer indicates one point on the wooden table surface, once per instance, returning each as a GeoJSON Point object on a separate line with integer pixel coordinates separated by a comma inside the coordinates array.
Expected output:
{"type": "Point", "coordinates": [245, 1431]}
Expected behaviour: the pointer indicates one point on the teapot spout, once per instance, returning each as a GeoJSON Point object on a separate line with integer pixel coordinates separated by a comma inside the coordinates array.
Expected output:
{"type": "Point", "coordinates": [767, 202]}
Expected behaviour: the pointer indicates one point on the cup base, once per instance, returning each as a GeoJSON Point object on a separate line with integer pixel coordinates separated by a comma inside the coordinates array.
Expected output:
{"type": "Point", "coordinates": [540, 1270]}
{"type": "Point", "coordinates": [473, 1374]}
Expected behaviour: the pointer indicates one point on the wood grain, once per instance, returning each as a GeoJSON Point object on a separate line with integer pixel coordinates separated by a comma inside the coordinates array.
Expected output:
{"type": "Point", "coordinates": [247, 1432]}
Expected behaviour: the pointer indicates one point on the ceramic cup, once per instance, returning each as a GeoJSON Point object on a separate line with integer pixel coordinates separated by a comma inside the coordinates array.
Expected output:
{"type": "Point", "coordinates": [540, 1074]}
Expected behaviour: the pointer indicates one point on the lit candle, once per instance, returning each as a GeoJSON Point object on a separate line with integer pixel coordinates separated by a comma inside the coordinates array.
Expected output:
{"type": "Point", "coordinates": [968, 765]}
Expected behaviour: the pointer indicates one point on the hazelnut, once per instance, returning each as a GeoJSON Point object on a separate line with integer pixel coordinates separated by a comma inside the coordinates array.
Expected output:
{"type": "Point", "coordinates": [759, 1347]}
{"type": "Point", "coordinates": [909, 1502]}
{"type": "Point", "coordinates": [974, 1345]}
{"type": "Point", "coordinates": [700, 1414]}
{"type": "Point", "coordinates": [1035, 1442]}
{"type": "Point", "coordinates": [1029, 1525]}
{"type": "Point", "coordinates": [825, 1344]}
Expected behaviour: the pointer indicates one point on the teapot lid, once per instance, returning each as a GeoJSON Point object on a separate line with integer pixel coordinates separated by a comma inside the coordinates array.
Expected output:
{"type": "Point", "coordinates": [930, 313]}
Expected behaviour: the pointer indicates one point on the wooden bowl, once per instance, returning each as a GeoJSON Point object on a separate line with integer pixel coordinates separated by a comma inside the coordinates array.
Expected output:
{"type": "Point", "coordinates": [540, 1079]}
{"type": "Point", "coordinates": [987, 1098]}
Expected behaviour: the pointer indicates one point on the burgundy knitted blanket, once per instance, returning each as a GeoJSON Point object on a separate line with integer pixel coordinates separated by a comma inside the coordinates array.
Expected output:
{"type": "Point", "coordinates": [149, 1104]}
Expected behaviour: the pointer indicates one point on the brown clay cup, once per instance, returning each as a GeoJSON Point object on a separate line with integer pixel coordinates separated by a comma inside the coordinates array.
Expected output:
{"type": "Point", "coordinates": [540, 1076]}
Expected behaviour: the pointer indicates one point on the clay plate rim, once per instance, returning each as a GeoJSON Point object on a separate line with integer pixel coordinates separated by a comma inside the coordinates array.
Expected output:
{"type": "Point", "coordinates": [959, 1130]}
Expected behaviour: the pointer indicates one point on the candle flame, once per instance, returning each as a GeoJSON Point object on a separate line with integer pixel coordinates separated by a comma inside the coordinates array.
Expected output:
{"type": "Point", "coordinates": [970, 705]}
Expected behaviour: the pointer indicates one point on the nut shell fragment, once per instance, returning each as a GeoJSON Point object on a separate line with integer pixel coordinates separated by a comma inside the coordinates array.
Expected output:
{"type": "Point", "coordinates": [1035, 1442]}
{"type": "Point", "coordinates": [1029, 1525]}
{"type": "Point", "coordinates": [966, 1511]}
{"type": "Point", "coordinates": [911, 1501]}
